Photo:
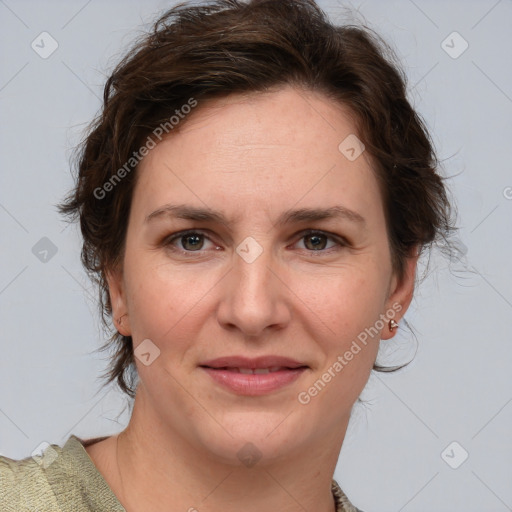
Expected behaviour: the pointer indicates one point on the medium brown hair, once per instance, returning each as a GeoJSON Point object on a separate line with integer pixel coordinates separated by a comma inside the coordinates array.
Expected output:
{"type": "Point", "coordinates": [229, 46]}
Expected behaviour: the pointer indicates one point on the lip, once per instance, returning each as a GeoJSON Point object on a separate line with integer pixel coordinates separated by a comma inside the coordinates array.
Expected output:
{"type": "Point", "coordinates": [223, 371]}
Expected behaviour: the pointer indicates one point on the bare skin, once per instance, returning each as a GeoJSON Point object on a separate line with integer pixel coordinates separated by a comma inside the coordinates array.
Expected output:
{"type": "Point", "coordinates": [251, 158]}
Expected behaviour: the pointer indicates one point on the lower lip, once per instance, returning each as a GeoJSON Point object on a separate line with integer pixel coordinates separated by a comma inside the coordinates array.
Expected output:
{"type": "Point", "coordinates": [254, 384]}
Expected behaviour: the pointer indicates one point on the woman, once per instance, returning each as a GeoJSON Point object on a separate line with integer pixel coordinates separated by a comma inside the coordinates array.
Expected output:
{"type": "Point", "coordinates": [253, 198]}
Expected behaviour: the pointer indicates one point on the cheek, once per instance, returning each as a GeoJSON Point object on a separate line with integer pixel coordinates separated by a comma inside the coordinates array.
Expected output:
{"type": "Point", "coordinates": [163, 301]}
{"type": "Point", "coordinates": [351, 300]}
{"type": "Point", "coordinates": [152, 301]}
{"type": "Point", "coordinates": [351, 309]}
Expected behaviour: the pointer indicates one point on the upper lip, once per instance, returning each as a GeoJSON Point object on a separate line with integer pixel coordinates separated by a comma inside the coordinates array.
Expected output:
{"type": "Point", "coordinates": [257, 362]}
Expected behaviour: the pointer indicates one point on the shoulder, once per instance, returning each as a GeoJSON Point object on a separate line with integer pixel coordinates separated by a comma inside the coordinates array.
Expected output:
{"type": "Point", "coordinates": [23, 484]}
{"type": "Point", "coordinates": [343, 504]}
{"type": "Point", "coordinates": [62, 479]}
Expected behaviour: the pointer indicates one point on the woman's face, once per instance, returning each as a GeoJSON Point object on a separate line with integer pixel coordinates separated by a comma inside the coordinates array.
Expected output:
{"type": "Point", "coordinates": [255, 284]}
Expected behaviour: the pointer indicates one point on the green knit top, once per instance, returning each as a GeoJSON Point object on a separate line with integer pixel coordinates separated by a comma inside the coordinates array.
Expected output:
{"type": "Point", "coordinates": [65, 479]}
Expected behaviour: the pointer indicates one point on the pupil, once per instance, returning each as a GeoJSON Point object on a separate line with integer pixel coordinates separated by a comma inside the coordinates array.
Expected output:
{"type": "Point", "coordinates": [193, 237]}
{"type": "Point", "coordinates": [318, 240]}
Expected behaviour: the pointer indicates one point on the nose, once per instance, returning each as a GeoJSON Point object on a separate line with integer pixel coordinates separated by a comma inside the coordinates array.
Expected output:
{"type": "Point", "coordinates": [254, 296]}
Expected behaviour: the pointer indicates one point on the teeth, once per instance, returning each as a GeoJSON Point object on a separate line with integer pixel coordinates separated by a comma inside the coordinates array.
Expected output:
{"type": "Point", "coordinates": [252, 371]}
{"type": "Point", "coordinates": [261, 370]}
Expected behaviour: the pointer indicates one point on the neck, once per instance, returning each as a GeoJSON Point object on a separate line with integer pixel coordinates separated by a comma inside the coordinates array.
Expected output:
{"type": "Point", "coordinates": [187, 478]}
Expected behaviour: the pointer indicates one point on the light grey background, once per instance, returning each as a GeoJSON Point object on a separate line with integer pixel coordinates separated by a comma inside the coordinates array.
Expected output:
{"type": "Point", "coordinates": [459, 386]}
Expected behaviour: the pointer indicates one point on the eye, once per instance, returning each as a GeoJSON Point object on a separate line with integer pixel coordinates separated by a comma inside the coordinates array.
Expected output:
{"type": "Point", "coordinates": [316, 241]}
{"type": "Point", "coordinates": [191, 241]}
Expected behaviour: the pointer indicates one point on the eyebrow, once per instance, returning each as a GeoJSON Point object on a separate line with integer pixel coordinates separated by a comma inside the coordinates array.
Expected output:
{"type": "Point", "coordinates": [188, 212]}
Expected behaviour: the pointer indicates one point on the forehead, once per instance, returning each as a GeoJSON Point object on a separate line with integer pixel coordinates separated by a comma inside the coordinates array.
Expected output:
{"type": "Point", "coordinates": [265, 150]}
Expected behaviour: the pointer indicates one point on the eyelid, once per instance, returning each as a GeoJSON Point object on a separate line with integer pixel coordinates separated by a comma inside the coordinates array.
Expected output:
{"type": "Point", "coordinates": [338, 239]}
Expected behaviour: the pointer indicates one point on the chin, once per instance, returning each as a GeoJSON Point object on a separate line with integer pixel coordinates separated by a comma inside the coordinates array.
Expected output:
{"type": "Point", "coordinates": [250, 438]}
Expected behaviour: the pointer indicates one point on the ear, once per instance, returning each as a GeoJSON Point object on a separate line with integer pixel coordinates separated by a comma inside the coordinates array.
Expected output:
{"type": "Point", "coordinates": [401, 292]}
{"type": "Point", "coordinates": [117, 292]}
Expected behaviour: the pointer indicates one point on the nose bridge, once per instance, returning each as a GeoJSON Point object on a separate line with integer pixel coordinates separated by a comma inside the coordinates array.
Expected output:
{"type": "Point", "coordinates": [252, 266]}
{"type": "Point", "coordinates": [253, 300]}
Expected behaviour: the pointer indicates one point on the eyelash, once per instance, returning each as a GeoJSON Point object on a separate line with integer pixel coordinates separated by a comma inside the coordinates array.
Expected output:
{"type": "Point", "coordinates": [168, 241]}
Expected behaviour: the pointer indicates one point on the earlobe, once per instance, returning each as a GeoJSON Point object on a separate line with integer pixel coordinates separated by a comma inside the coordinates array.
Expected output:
{"type": "Point", "coordinates": [120, 316]}
{"type": "Point", "coordinates": [122, 324]}
{"type": "Point", "coordinates": [401, 294]}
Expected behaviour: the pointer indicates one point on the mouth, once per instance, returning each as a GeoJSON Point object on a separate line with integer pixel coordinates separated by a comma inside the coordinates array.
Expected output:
{"type": "Point", "coordinates": [253, 377]}
{"type": "Point", "coordinates": [252, 371]}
